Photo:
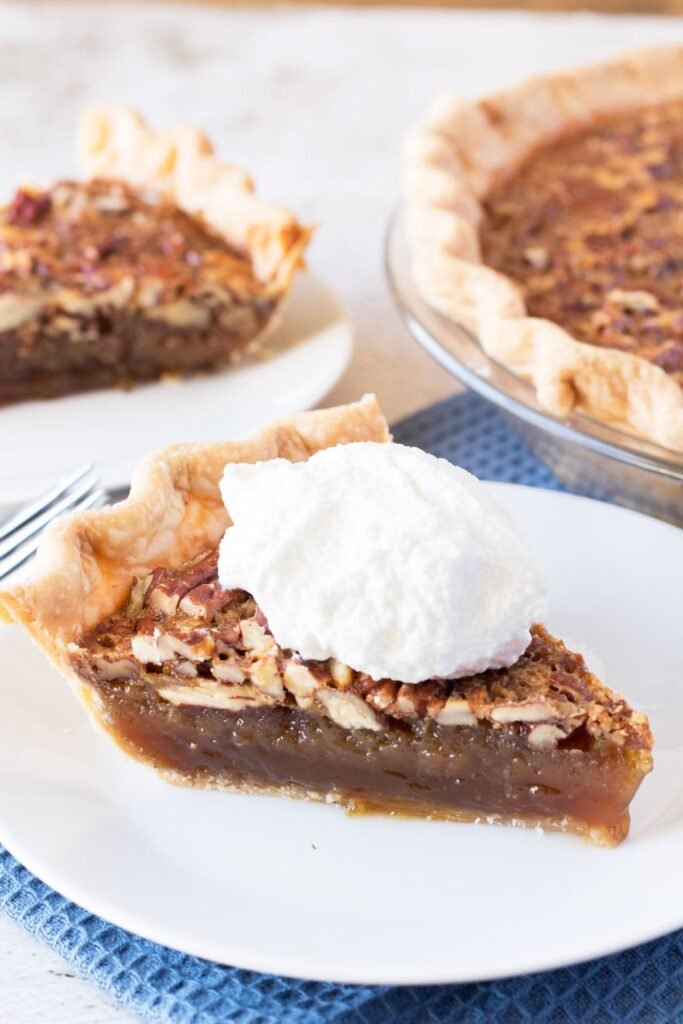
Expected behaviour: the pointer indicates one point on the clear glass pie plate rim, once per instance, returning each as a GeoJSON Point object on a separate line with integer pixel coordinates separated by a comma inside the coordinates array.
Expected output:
{"type": "Point", "coordinates": [459, 352]}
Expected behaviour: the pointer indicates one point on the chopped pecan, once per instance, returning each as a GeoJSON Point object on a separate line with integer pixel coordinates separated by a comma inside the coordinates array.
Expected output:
{"type": "Point", "coordinates": [348, 710]}
{"type": "Point", "coordinates": [637, 301]}
{"type": "Point", "coordinates": [28, 208]}
{"type": "Point", "coordinates": [528, 711]}
{"type": "Point", "coordinates": [382, 695]}
{"type": "Point", "coordinates": [342, 674]}
{"type": "Point", "coordinates": [264, 673]}
{"type": "Point", "coordinates": [207, 599]}
{"type": "Point", "coordinates": [226, 672]}
{"type": "Point", "coordinates": [136, 601]}
{"type": "Point", "coordinates": [418, 700]}
{"type": "Point", "coordinates": [209, 694]}
{"type": "Point", "coordinates": [228, 636]}
{"type": "Point", "coordinates": [185, 669]}
{"type": "Point", "coordinates": [546, 735]}
{"type": "Point", "coordinates": [115, 667]}
{"type": "Point", "coordinates": [456, 711]}
{"type": "Point", "coordinates": [159, 646]}
{"type": "Point", "coordinates": [262, 620]}
{"type": "Point", "coordinates": [538, 257]}
{"type": "Point", "coordinates": [168, 587]}
{"type": "Point", "coordinates": [255, 638]}
{"type": "Point", "coordinates": [164, 592]}
{"type": "Point", "coordinates": [299, 679]}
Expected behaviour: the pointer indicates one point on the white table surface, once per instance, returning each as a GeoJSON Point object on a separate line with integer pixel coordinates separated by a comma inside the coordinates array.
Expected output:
{"type": "Point", "coordinates": [314, 102]}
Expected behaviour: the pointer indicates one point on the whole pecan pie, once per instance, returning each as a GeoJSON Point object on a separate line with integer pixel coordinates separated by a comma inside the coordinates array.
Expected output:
{"type": "Point", "coordinates": [161, 260]}
{"type": "Point", "coordinates": [187, 676]}
{"type": "Point", "coordinates": [547, 218]}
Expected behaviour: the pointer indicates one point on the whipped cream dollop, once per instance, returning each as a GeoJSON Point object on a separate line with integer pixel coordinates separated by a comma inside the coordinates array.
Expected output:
{"type": "Point", "coordinates": [395, 562]}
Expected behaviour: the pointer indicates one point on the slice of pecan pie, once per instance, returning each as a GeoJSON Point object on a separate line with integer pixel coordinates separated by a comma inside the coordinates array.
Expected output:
{"type": "Point", "coordinates": [187, 676]}
{"type": "Point", "coordinates": [160, 261]}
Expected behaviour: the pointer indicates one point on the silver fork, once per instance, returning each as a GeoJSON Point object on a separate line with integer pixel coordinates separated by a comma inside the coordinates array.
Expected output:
{"type": "Point", "coordinates": [20, 534]}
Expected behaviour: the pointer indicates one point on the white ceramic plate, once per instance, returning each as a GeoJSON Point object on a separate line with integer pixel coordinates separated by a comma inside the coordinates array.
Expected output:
{"type": "Point", "coordinates": [113, 429]}
{"type": "Point", "coordinates": [301, 889]}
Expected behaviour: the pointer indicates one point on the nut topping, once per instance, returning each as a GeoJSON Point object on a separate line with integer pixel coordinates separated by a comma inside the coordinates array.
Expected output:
{"type": "Point", "coordinates": [538, 257]}
{"type": "Point", "coordinates": [406, 703]}
{"type": "Point", "coordinates": [255, 637]}
{"type": "Point", "coordinates": [225, 672]}
{"type": "Point", "coordinates": [212, 695]}
{"type": "Point", "coordinates": [181, 314]}
{"type": "Point", "coordinates": [117, 668]}
{"type": "Point", "coordinates": [634, 301]}
{"type": "Point", "coordinates": [215, 650]}
{"type": "Point", "coordinates": [265, 675]}
{"type": "Point", "coordinates": [28, 208]}
{"type": "Point", "coordinates": [456, 711]}
{"type": "Point", "coordinates": [546, 735]}
{"type": "Point", "coordinates": [166, 589]}
{"type": "Point", "coordinates": [145, 648]}
{"type": "Point", "coordinates": [137, 595]}
{"type": "Point", "coordinates": [163, 595]}
{"type": "Point", "coordinates": [159, 647]}
{"type": "Point", "coordinates": [205, 600]}
{"type": "Point", "coordinates": [185, 668]}
{"type": "Point", "coordinates": [342, 674]}
{"type": "Point", "coordinates": [383, 695]}
{"type": "Point", "coordinates": [348, 710]}
{"type": "Point", "coordinates": [299, 680]}
{"type": "Point", "coordinates": [589, 231]}
{"type": "Point", "coordinates": [537, 711]}
{"type": "Point", "coordinates": [16, 310]}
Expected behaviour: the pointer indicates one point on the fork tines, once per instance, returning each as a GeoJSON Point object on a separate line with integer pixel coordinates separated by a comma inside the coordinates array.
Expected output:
{"type": "Point", "coordinates": [20, 534]}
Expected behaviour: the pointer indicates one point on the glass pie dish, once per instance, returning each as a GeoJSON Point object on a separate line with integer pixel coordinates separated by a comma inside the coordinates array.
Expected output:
{"type": "Point", "coordinates": [591, 458]}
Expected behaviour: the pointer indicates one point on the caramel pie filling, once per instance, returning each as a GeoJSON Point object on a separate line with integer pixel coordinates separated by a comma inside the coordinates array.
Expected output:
{"type": "Point", "coordinates": [590, 227]}
{"type": "Point", "coordinates": [188, 678]}
{"type": "Point", "coordinates": [104, 284]}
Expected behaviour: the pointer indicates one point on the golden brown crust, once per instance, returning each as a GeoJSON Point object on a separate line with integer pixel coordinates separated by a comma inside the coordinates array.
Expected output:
{"type": "Point", "coordinates": [115, 142]}
{"type": "Point", "coordinates": [88, 561]}
{"type": "Point", "coordinates": [459, 154]}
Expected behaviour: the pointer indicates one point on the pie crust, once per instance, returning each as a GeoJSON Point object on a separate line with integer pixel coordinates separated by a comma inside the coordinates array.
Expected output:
{"type": "Point", "coordinates": [460, 153]}
{"type": "Point", "coordinates": [87, 563]}
{"type": "Point", "coordinates": [115, 142]}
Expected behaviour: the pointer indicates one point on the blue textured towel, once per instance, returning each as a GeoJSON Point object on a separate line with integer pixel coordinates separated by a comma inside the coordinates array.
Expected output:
{"type": "Point", "coordinates": [641, 986]}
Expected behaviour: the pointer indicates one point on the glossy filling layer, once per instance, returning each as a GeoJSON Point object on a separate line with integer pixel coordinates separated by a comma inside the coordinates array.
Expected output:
{"type": "Point", "coordinates": [117, 348]}
{"type": "Point", "coordinates": [590, 228]}
{"type": "Point", "coordinates": [417, 768]}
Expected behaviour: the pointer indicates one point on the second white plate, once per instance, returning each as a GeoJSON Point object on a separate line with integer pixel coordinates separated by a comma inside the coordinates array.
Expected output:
{"type": "Point", "coordinates": [300, 889]}
{"type": "Point", "coordinates": [113, 428]}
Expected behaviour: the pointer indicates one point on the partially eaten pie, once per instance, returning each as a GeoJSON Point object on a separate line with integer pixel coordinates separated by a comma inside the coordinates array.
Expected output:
{"type": "Point", "coordinates": [188, 677]}
{"type": "Point", "coordinates": [547, 219]}
{"type": "Point", "coordinates": [160, 261]}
